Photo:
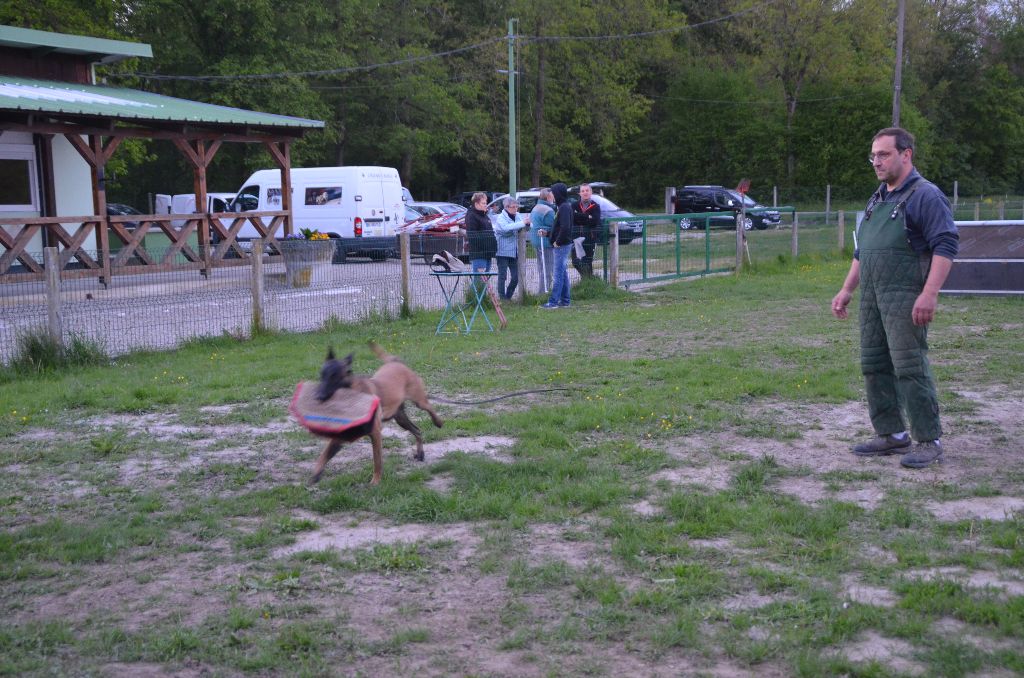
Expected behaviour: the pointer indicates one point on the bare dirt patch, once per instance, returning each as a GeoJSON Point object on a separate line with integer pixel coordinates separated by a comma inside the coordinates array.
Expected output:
{"type": "Point", "coordinates": [342, 533]}
{"type": "Point", "coordinates": [857, 592]}
{"type": "Point", "coordinates": [711, 477]}
{"type": "Point", "coordinates": [140, 593]}
{"type": "Point", "coordinates": [492, 447]}
{"type": "Point", "coordinates": [955, 628]}
{"type": "Point", "coordinates": [891, 652]}
{"type": "Point", "coordinates": [978, 508]}
{"type": "Point", "coordinates": [1009, 583]}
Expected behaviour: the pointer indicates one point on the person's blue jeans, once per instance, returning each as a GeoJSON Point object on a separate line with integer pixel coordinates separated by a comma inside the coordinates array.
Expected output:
{"type": "Point", "coordinates": [508, 268]}
{"type": "Point", "coordinates": [560, 279]}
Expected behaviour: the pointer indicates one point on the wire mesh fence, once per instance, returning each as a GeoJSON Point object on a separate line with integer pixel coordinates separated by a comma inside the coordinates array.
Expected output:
{"type": "Point", "coordinates": [161, 310]}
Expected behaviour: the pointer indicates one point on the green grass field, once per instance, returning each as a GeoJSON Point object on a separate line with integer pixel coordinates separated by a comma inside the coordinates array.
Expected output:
{"type": "Point", "coordinates": [685, 504]}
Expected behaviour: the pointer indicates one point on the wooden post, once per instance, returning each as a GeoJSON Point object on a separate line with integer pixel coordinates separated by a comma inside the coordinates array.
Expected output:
{"type": "Point", "coordinates": [520, 293]}
{"type": "Point", "coordinates": [828, 203]}
{"type": "Point", "coordinates": [956, 193]}
{"type": "Point", "coordinates": [670, 200]}
{"type": "Point", "coordinates": [404, 258]}
{"type": "Point", "coordinates": [775, 196]}
{"type": "Point", "coordinates": [842, 230]}
{"type": "Point", "coordinates": [613, 254]}
{"type": "Point", "coordinates": [1002, 210]}
{"type": "Point", "coordinates": [256, 255]}
{"type": "Point", "coordinates": [977, 211]}
{"type": "Point", "coordinates": [51, 261]}
{"type": "Point", "coordinates": [793, 245]}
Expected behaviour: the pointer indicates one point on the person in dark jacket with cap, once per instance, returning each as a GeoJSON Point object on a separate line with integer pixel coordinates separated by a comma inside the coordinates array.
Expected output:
{"type": "Point", "coordinates": [561, 243]}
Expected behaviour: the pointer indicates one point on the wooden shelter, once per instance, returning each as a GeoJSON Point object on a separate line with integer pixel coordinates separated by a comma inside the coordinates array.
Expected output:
{"type": "Point", "coordinates": [50, 103]}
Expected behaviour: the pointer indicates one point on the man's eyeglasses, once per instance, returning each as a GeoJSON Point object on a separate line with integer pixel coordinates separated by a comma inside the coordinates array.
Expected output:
{"type": "Point", "coordinates": [881, 155]}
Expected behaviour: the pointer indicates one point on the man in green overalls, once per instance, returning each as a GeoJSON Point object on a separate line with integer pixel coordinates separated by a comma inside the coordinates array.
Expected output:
{"type": "Point", "coordinates": [905, 247]}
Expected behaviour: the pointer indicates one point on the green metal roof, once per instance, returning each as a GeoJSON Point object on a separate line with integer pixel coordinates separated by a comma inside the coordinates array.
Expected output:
{"type": "Point", "coordinates": [50, 96]}
{"type": "Point", "coordinates": [100, 49]}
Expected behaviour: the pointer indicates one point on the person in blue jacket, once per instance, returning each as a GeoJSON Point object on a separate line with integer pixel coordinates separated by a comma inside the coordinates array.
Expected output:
{"type": "Point", "coordinates": [506, 230]}
{"type": "Point", "coordinates": [542, 220]}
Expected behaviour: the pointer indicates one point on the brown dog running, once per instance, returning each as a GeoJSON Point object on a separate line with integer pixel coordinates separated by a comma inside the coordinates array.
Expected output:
{"type": "Point", "coordinates": [393, 383]}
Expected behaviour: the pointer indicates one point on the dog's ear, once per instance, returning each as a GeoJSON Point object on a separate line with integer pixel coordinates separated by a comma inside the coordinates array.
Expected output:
{"type": "Point", "coordinates": [330, 353]}
{"type": "Point", "coordinates": [348, 359]}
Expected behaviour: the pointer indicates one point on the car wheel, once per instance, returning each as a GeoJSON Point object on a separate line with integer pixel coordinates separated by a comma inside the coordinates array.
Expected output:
{"type": "Point", "coordinates": [685, 224]}
{"type": "Point", "coordinates": [748, 224]}
{"type": "Point", "coordinates": [340, 255]}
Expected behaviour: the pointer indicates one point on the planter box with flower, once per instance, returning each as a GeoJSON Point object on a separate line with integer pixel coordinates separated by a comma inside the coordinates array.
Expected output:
{"type": "Point", "coordinates": [307, 257]}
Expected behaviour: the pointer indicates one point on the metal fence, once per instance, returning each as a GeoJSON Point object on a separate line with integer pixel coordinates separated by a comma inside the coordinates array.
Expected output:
{"type": "Point", "coordinates": [162, 309]}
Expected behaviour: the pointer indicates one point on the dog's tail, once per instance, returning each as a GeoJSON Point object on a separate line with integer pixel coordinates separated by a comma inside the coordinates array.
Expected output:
{"type": "Point", "coordinates": [382, 354]}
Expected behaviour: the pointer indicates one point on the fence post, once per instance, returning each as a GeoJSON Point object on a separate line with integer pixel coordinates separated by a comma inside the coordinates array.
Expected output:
{"type": "Point", "coordinates": [977, 211]}
{"type": "Point", "coordinates": [775, 196]}
{"type": "Point", "coordinates": [842, 230]}
{"type": "Point", "coordinates": [403, 254]}
{"type": "Point", "coordinates": [828, 202]}
{"type": "Point", "coordinates": [794, 248]}
{"type": "Point", "coordinates": [613, 254]}
{"type": "Point", "coordinates": [55, 320]}
{"type": "Point", "coordinates": [740, 236]}
{"type": "Point", "coordinates": [956, 193]}
{"type": "Point", "coordinates": [256, 256]}
{"type": "Point", "coordinates": [520, 293]}
{"type": "Point", "coordinates": [670, 199]}
{"type": "Point", "coordinates": [1002, 210]}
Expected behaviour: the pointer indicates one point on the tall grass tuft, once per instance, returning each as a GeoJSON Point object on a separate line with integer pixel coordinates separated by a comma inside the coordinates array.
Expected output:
{"type": "Point", "coordinates": [38, 352]}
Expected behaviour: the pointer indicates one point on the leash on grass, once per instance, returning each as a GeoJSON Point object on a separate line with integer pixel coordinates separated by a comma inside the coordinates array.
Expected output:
{"type": "Point", "coordinates": [491, 400]}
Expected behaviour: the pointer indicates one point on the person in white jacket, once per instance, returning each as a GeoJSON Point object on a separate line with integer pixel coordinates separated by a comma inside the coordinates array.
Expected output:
{"type": "Point", "coordinates": [506, 230]}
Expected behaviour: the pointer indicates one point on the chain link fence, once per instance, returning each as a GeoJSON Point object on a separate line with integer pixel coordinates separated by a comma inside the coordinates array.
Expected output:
{"type": "Point", "coordinates": [161, 310]}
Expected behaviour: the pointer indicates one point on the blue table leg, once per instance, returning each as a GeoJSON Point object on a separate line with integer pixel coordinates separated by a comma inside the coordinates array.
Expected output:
{"type": "Point", "coordinates": [452, 310]}
{"type": "Point", "coordinates": [479, 287]}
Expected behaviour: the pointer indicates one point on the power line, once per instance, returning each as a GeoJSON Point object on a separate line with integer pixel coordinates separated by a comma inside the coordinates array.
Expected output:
{"type": "Point", "coordinates": [312, 74]}
{"type": "Point", "coordinates": [438, 55]}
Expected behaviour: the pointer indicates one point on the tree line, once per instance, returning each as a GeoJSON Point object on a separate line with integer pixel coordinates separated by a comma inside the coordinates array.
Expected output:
{"type": "Point", "coordinates": [644, 93]}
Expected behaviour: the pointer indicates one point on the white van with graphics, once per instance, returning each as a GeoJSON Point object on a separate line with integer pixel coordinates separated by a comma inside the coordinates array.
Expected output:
{"type": "Point", "coordinates": [359, 206]}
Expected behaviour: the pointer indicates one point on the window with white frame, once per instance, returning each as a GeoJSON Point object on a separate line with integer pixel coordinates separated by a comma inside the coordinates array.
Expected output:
{"type": "Point", "coordinates": [19, 191]}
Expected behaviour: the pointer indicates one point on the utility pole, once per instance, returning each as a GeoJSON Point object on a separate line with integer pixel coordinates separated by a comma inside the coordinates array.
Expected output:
{"type": "Point", "coordinates": [898, 80]}
{"type": "Point", "coordinates": [512, 108]}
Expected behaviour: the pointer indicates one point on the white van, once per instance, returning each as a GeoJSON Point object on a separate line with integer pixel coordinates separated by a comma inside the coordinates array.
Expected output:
{"type": "Point", "coordinates": [360, 206]}
{"type": "Point", "coordinates": [185, 203]}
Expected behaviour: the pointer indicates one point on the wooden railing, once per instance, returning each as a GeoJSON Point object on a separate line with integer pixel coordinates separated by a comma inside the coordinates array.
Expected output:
{"type": "Point", "coordinates": [120, 243]}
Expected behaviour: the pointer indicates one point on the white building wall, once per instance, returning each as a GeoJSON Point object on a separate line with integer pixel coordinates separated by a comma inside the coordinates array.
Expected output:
{"type": "Point", "coordinates": [72, 183]}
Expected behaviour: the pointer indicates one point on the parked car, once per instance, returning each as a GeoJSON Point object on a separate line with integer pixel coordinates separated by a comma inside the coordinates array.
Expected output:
{"type": "Point", "coordinates": [724, 204]}
{"type": "Point", "coordinates": [120, 209]}
{"type": "Point", "coordinates": [629, 227]}
{"type": "Point", "coordinates": [427, 209]}
{"type": "Point", "coordinates": [434, 228]}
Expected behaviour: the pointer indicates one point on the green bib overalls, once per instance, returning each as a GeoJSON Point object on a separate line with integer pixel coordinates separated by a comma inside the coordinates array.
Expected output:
{"type": "Point", "coordinates": [893, 350]}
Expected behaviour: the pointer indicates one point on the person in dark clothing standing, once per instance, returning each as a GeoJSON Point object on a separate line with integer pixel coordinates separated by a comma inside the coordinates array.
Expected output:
{"type": "Point", "coordinates": [905, 247]}
{"type": "Point", "coordinates": [561, 243]}
{"type": "Point", "coordinates": [480, 238]}
{"type": "Point", "coordinates": [587, 218]}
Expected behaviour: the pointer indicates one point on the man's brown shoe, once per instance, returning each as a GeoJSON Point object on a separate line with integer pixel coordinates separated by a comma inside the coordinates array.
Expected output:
{"type": "Point", "coordinates": [924, 454]}
{"type": "Point", "coordinates": [881, 446]}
